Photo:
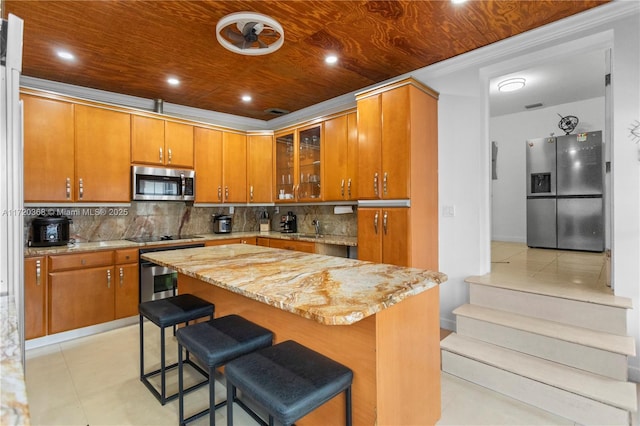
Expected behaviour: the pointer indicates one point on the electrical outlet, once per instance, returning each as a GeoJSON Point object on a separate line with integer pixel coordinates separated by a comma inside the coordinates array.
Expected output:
{"type": "Point", "coordinates": [231, 209]}
{"type": "Point", "coordinates": [448, 211]}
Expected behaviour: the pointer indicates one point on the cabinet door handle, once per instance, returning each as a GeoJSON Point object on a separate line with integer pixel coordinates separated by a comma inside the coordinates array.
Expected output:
{"type": "Point", "coordinates": [384, 183]}
{"type": "Point", "coordinates": [160, 154]}
{"type": "Point", "coordinates": [81, 188]}
{"type": "Point", "coordinates": [342, 188]}
{"type": "Point", "coordinates": [375, 222]}
{"type": "Point", "coordinates": [169, 155]}
{"type": "Point", "coordinates": [121, 277]}
{"type": "Point", "coordinates": [384, 222]}
{"type": "Point", "coordinates": [375, 184]}
{"type": "Point", "coordinates": [349, 188]}
{"type": "Point", "coordinates": [251, 193]}
{"type": "Point", "coordinates": [68, 188]}
{"type": "Point", "coordinates": [108, 278]}
{"type": "Point", "coordinates": [38, 272]}
{"type": "Point", "coordinates": [226, 193]}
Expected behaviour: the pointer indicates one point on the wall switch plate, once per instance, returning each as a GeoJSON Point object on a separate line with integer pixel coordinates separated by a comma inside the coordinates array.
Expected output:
{"type": "Point", "coordinates": [448, 211]}
{"type": "Point", "coordinates": [231, 209]}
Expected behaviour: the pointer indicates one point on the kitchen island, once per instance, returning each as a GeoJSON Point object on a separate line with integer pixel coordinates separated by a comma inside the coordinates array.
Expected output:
{"type": "Point", "coordinates": [380, 320]}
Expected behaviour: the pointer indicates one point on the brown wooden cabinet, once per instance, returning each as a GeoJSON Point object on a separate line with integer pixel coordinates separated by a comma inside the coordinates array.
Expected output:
{"type": "Point", "coordinates": [234, 167]}
{"type": "Point", "coordinates": [297, 164]}
{"type": "Point", "coordinates": [127, 296]}
{"type": "Point", "coordinates": [221, 166]}
{"type": "Point", "coordinates": [304, 246]}
{"type": "Point", "coordinates": [398, 163]}
{"type": "Point", "coordinates": [81, 290]}
{"type": "Point", "coordinates": [259, 168]}
{"type": "Point", "coordinates": [49, 168]}
{"type": "Point", "coordinates": [382, 235]}
{"type": "Point", "coordinates": [340, 158]}
{"type": "Point", "coordinates": [161, 142]}
{"type": "Point", "coordinates": [103, 164]}
{"type": "Point", "coordinates": [35, 297]}
{"type": "Point", "coordinates": [250, 240]}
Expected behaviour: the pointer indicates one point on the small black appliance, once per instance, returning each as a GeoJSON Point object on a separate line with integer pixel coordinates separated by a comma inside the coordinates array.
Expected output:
{"type": "Point", "coordinates": [47, 231]}
{"type": "Point", "coordinates": [222, 224]}
{"type": "Point", "coordinates": [289, 223]}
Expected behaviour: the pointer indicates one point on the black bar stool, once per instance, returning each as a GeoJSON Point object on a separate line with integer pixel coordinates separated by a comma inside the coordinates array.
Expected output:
{"type": "Point", "coordinates": [215, 343]}
{"type": "Point", "coordinates": [288, 381]}
{"type": "Point", "coordinates": [165, 313]}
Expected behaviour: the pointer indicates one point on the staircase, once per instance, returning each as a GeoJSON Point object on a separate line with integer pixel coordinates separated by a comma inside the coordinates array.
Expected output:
{"type": "Point", "coordinates": [561, 350]}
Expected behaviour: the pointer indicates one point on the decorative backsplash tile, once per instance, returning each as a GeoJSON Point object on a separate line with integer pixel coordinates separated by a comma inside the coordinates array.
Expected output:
{"type": "Point", "coordinates": [173, 218]}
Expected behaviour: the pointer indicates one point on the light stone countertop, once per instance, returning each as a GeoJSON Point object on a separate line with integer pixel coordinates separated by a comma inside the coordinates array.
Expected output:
{"type": "Point", "coordinates": [202, 238]}
{"type": "Point", "coordinates": [330, 290]}
{"type": "Point", "coordinates": [14, 409]}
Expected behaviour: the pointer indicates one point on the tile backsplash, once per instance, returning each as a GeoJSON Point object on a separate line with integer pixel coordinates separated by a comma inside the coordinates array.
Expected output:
{"type": "Point", "coordinates": [172, 218]}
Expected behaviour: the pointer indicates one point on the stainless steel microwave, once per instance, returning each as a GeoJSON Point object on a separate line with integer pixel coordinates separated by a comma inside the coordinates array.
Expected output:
{"type": "Point", "coordinates": [162, 184]}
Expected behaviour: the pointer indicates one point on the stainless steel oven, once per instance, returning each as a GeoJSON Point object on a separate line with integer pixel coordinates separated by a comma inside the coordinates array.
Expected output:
{"type": "Point", "coordinates": [157, 281]}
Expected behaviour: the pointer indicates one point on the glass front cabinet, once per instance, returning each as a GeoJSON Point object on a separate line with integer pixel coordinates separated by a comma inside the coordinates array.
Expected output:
{"type": "Point", "coordinates": [297, 165]}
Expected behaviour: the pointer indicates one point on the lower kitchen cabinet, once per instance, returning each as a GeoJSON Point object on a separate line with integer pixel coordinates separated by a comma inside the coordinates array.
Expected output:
{"type": "Point", "coordinates": [383, 235]}
{"type": "Point", "coordinates": [127, 289]}
{"type": "Point", "coordinates": [251, 240]}
{"type": "Point", "coordinates": [35, 297]}
{"type": "Point", "coordinates": [304, 246]}
{"type": "Point", "coordinates": [79, 298]}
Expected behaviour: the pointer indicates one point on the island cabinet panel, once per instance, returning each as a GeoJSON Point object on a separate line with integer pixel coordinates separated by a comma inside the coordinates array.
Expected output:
{"type": "Point", "coordinates": [208, 165]}
{"type": "Point", "coordinates": [103, 161]}
{"type": "Point", "coordinates": [35, 297]}
{"type": "Point", "coordinates": [386, 351]}
{"type": "Point", "coordinates": [127, 296]}
{"type": "Point", "coordinates": [260, 168]}
{"type": "Point", "coordinates": [49, 134]}
{"type": "Point", "coordinates": [340, 158]}
{"type": "Point", "coordinates": [80, 298]}
{"type": "Point", "coordinates": [382, 235]}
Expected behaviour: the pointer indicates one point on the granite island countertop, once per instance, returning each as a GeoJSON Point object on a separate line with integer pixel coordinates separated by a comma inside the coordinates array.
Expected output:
{"type": "Point", "coordinates": [330, 290]}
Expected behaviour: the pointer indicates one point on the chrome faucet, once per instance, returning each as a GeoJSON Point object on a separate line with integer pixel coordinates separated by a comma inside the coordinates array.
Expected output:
{"type": "Point", "coordinates": [316, 223]}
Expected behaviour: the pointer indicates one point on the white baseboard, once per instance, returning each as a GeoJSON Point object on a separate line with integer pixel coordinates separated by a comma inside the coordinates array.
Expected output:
{"type": "Point", "coordinates": [79, 332]}
{"type": "Point", "coordinates": [634, 374]}
{"type": "Point", "coordinates": [448, 324]}
{"type": "Point", "coordinates": [509, 239]}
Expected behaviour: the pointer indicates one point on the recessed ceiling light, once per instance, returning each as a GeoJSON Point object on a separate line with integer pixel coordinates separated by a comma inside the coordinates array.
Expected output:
{"type": "Point", "coordinates": [458, 1]}
{"type": "Point", "coordinates": [331, 59]}
{"type": "Point", "coordinates": [173, 81]}
{"type": "Point", "coordinates": [246, 98]}
{"type": "Point", "coordinates": [511, 84]}
{"type": "Point", "coordinates": [65, 55]}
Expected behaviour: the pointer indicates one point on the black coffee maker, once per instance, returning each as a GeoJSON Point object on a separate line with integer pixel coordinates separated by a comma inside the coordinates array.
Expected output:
{"type": "Point", "coordinates": [288, 223]}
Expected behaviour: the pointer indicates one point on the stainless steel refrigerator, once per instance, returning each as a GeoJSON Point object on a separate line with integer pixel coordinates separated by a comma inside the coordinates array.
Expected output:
{"type": "Point", "coordinates": [565, 207]}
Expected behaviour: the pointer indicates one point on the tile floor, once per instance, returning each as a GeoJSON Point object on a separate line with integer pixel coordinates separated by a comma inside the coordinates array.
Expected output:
{"type": "Point", "coordinates": [94, 380]}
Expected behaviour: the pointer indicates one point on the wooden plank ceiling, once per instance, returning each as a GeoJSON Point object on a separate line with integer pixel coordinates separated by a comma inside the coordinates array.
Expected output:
{"type": "Point", "coordinates": [132, 46]}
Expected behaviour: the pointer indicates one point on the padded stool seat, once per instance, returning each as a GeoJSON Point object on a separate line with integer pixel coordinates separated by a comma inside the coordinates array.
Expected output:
{"type": "Point", "coordinates": [288, 381]}
{"type": "Point", "coordinates": [215, 343]}
{"type": "Point", "coordinates": [164, 313]}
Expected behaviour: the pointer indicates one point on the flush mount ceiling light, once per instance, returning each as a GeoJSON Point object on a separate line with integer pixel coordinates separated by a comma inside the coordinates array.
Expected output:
{"type": "Point", "coordinates": [511, 84]}
{"type": "Point", "coordinates": [249, 33]}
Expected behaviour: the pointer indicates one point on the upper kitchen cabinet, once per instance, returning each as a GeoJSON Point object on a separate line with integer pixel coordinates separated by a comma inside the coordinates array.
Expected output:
{"type": "Point", "coordinates": [220, 165]}
{"type": "Point", "coordinates": [397, 139]}
{"type": "Point", "coordinates": [298, 164]}
{"type": "Point", "coordinates": [102, 155]}
{"type": "Point", "coordinates": [161, 142]}
{"type": "Point", "coordinates": [340, 152]}
{"type": "Point", "coordinates": [260, 168]}
{"type": "Point", "coordinates": [75, 152]}
{"type": "Point", "coordinates": [48, 149]}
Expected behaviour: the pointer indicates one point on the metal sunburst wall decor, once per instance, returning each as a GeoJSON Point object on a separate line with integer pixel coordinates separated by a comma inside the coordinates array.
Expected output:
{"type": "Point", "coordinates": [568, 123]}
